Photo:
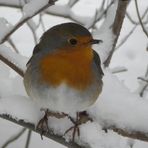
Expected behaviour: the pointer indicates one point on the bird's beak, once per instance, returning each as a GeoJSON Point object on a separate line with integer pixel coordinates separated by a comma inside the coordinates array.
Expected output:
{"type": "Point", "coordinates": [95, 41]}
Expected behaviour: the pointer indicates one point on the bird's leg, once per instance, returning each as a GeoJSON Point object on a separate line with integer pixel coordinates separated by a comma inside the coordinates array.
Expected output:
{"type": "Point", "coordinates": [43, 124]}
{"type": "Point", "coordinates": [81, 117]}
{"type": "Point", "coordinates": [75, 128]}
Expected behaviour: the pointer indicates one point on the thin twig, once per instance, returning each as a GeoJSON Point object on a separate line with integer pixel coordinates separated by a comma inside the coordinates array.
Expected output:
{"type": "Point", "coordinates": [29, 24]}
{"type": "Point", "coordinates": [119, 70]}
{"type": "Point", "coordinates": [102, 5]}
{"type": "Point", "coordinates": [93, 22]}
{"type": "Point", "coordinates": [12, 65]}
{"type": "Point", "coordinates": [143, 79]}
{"type": "Point", "coordinates": [126, 37]}
{"type": "Point", "coordinates": [132, 30]}
{"type": "Point", "coordinates": [42, 23]}
{"type": "Point", "coordinates": [33, 32]}
{"type": "Point", "coordinates": [101, 15]}
{"type": "Point", "coordinates": [143, 89]}
{"type": "Point", "coordinates": [22, 21]}
{"type": "Point", "coordinates": [13, 138]}
{"type": "Point", "coordinates": [145, 84]}
{"type": "Point", "coordinates": [133, 21]}
{"type": "Point", "coordinates": [10, 41]}
{"type": "Point", "coordinates": [141, 23]}
{"type": "Point", "coordinates": [28, 139]}
{"type": "Point", "coordinates": [71, 3]}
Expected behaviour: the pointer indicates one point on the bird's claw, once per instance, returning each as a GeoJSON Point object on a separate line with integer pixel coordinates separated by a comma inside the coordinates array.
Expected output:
{"type": "Point", "coordinates": [82, 117]}
{"type": "Point", "coordinates": [43, 124]}
{"type": "Point", "coordinates": [75, 128]}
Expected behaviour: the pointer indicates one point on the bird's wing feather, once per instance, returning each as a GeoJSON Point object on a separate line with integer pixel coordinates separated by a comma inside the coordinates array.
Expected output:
{"type": "Point", "coordinates": [35, 50]}
{"type": "Point", "coordinates": [98, 62]}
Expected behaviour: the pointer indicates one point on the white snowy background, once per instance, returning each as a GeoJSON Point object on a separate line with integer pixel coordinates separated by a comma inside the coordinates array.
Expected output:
{"type": "Point", "coordinates": [132, 55]}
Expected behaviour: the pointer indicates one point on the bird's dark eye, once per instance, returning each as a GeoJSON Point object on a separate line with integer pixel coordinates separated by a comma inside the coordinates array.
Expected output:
{"type": "Point", "coordinates": [73, 41]}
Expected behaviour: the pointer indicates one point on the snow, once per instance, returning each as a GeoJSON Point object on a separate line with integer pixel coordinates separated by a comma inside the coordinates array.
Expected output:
{"type": "Point", "coordinates": [100, 138]}
{"type": "Point", "coordinates": [33, 6]}
{"type": "Point", "coordinates": [66, 11]}
{"type": "Point", "coordinates": [117, 105]}
{"type": "Point", "coordinates": [63, 10]}
{"type": "Point", "coordinates": [20, 107]}
{"type": "Point", "coordinates": [107, 37]}
{"type": "Point", "coordinates": [13, 57]}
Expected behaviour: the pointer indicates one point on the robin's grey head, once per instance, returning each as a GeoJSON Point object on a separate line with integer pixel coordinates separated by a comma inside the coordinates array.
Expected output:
{"type": "Point", "coordinates": [64, 35]}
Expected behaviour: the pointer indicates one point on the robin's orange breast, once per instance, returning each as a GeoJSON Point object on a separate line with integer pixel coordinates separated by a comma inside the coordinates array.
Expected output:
{"type": "Point", "coordinates": [72, 68]}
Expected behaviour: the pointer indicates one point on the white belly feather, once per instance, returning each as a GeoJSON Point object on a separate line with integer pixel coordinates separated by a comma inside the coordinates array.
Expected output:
{"type": "Point", "coordinates": [61, 99]}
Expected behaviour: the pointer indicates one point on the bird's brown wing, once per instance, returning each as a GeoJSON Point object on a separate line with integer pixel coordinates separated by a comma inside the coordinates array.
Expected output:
{"type": "Point", "coordinates": [98, 62]}
{"type": "Point", "coordinates": [35, 50]}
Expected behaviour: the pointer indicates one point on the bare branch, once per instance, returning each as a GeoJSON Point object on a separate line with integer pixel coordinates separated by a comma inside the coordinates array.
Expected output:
{"type": "Point", "coordinates": [120, 14]}
{"type": "Point", "coordinates": [144, 85]}
{"type": "Point", "coordinates": [102, 5]}
{"type": "Point", "coordinates": [98, 18]}
{"type": "Point", "coordinates": [143, 89]}
{"type": "Point", "coordinates": [141, 23]}
{"type": "Point", "coordinates": [132, 30]}
{"type": "Point", "coordinates": [93, 22]}
{"type": "Point", "coordinates": [28, 139]}
{"type": "Point", "coordinates": [14, 138]}
{"type": "Point", "coordinates": [126, 37]}
{"type": "Point", "coordinates": [33, 31]}
{"type": "Point", "coordinates": [10, 41]}
{"type": "Point", "coordinates": [71, 3]}
{"type": "Point", "coordinates": [143, 79]}
{"type": "Point", "coordinates": [12, 65]}
{"type": "Point", "coordinates": [22, 21]}
{"type": "Point", "coordinates": [42, 23]}
{"type": "Point", "coordinates": [118, 70]}
{"type": "Point", "coordinates": [132, 134]}
{"type": "Point", "coordinates": [133, 21]}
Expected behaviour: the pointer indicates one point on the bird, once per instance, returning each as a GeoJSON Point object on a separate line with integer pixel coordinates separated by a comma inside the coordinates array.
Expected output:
{"type": "Point", "coordinates": [64, 74]}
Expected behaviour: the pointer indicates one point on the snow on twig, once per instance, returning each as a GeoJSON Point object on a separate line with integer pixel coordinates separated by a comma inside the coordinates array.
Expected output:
{"type": "Point", "coordinates": [29, 13]}
{"type": "Point", "coordinates": [13, 60]}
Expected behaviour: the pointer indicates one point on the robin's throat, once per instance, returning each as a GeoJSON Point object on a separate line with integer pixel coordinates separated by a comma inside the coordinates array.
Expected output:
{"type": "Point", "coordinates": [73, 68]}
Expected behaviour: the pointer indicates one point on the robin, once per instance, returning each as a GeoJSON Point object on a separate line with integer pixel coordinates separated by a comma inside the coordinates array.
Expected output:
{"type": "Point", "coordinates": [64, 74]}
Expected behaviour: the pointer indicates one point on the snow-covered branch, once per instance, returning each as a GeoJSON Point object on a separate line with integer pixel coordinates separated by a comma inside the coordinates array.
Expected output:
{"type": "Point", "coordinates": [50, 134]}
{"type": "Point", "coordinates": [13, 60]}
{"type": "Point", "coordinates": [29, 12]}
{"type": "Point", "coordinates": [116, 28]}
